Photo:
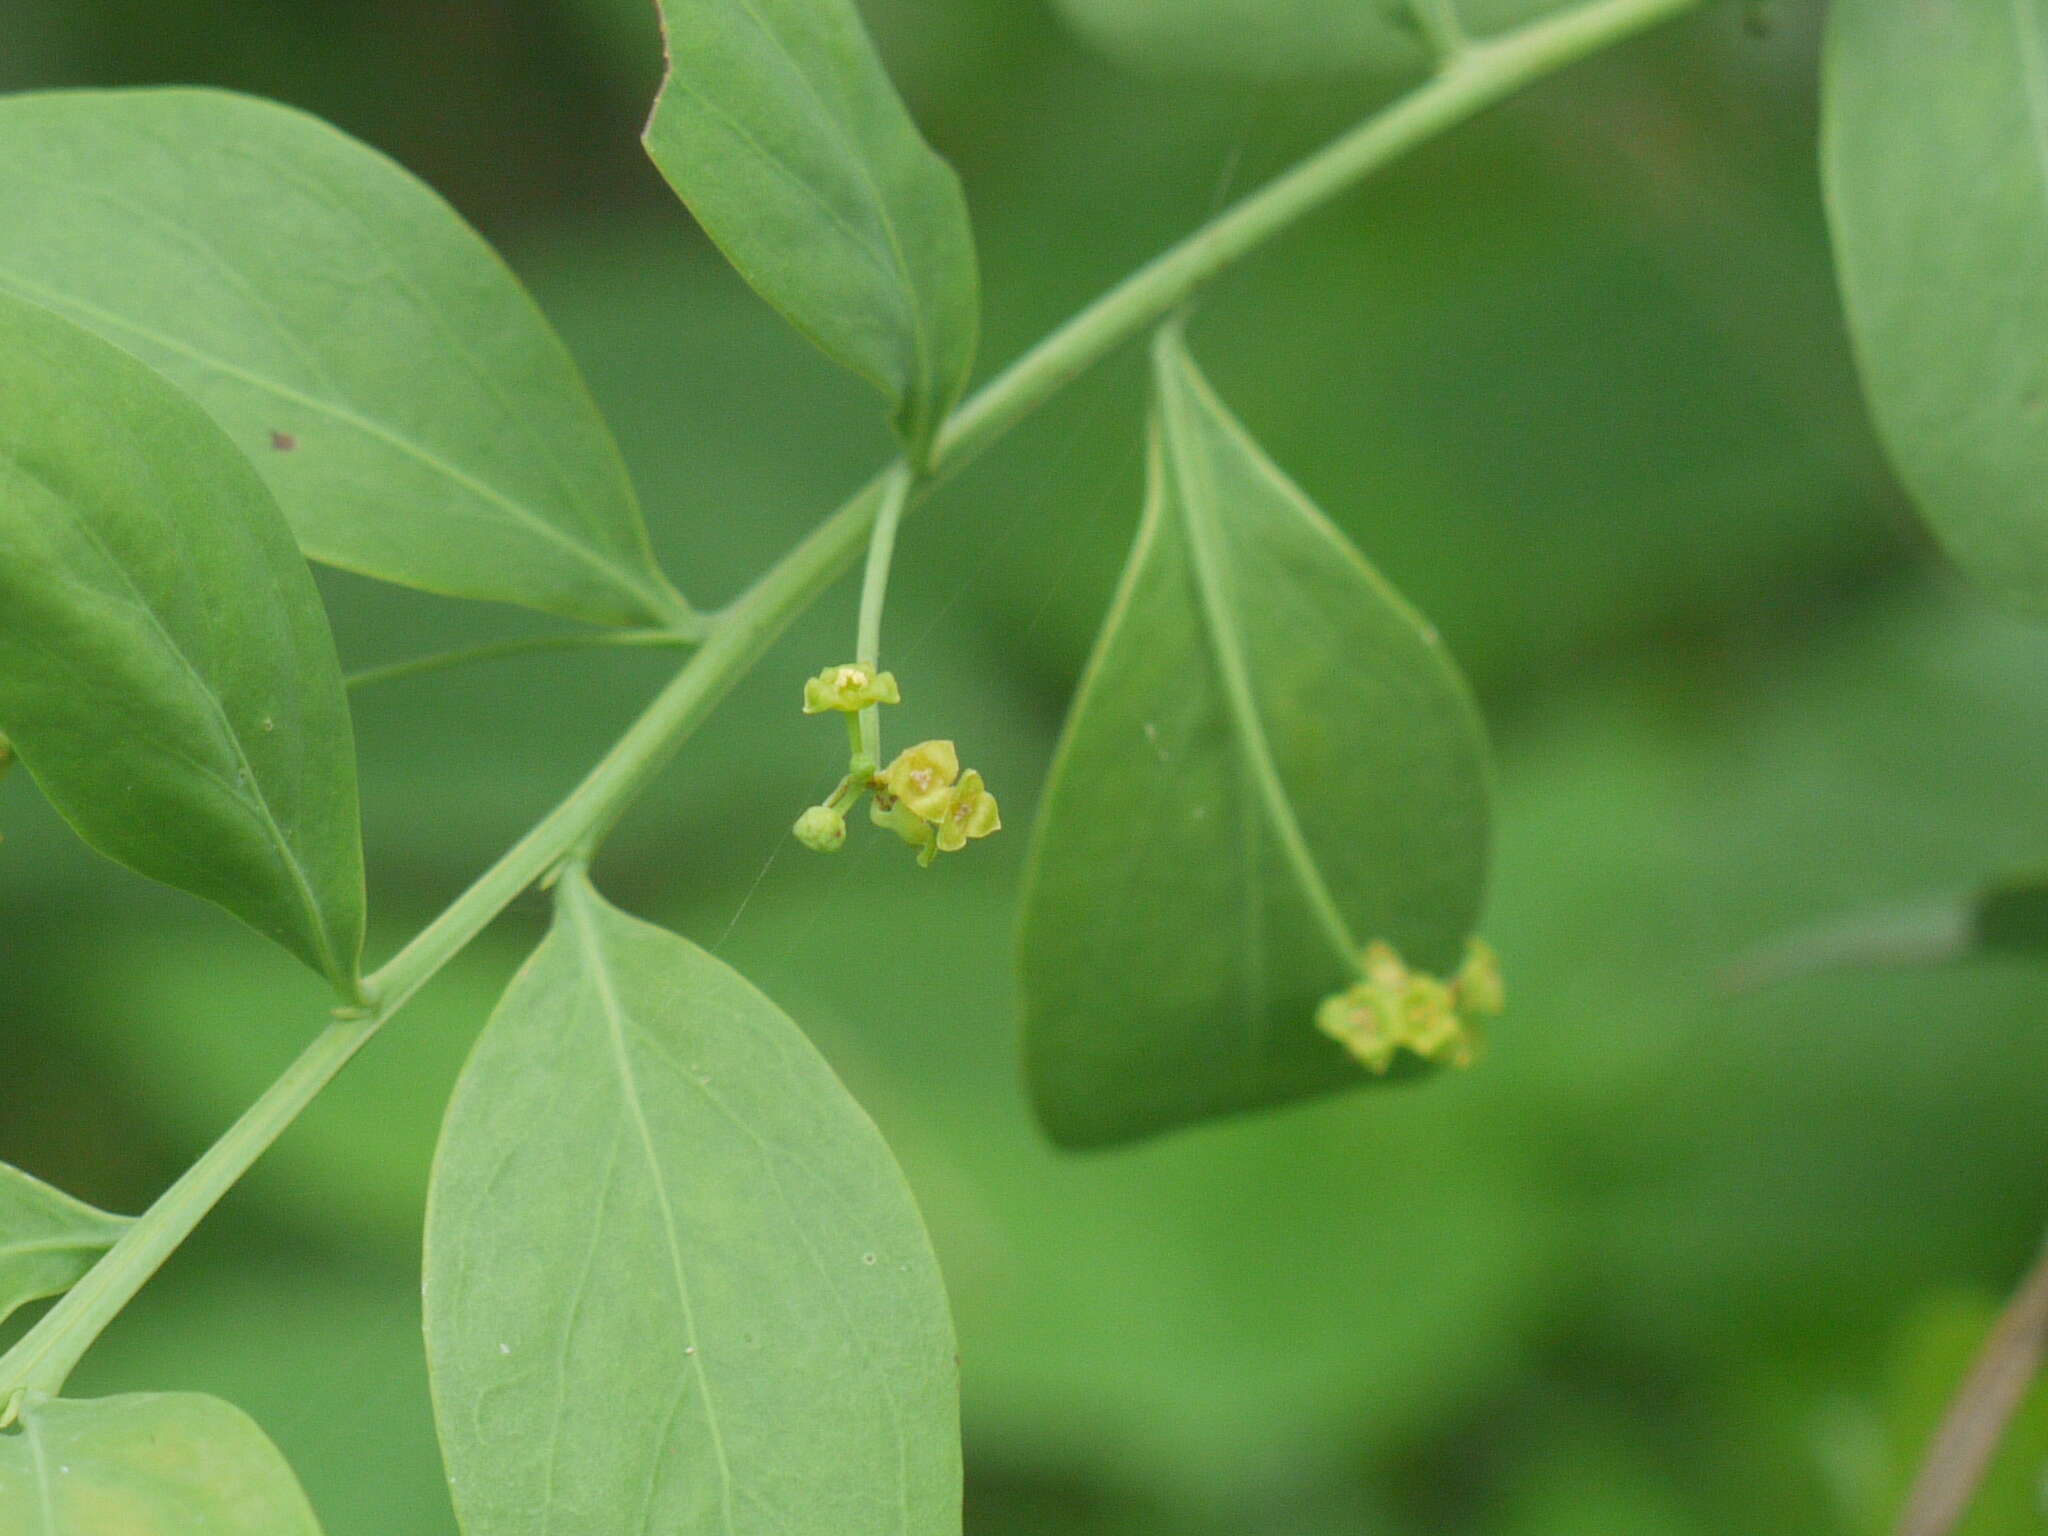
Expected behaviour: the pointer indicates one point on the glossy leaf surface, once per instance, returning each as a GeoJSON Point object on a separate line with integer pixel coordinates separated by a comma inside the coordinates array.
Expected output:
{"type": "Point", "coordinates": [47, 1239]}
{"type": "Point", "coordinates": [1935, 157]}
{"type": "Point", "coordinates": [409, 407]}
{"type": "Point", "coordinates": [1271, 763]}
{"type": "Point", "coordinates": [166, 670]}
{"type": "Point", "coordinates": [674, 1280]}
{"type": "Point", "coordinates": [171, 1464]}
{"type": "Point", "coordinates": [779, 128]}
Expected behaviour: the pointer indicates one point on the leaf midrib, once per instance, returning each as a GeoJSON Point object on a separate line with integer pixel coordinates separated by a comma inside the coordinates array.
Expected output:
{"type": "Point", "coordinates": [249, 789]}
{"type": "Point", "coordinates": [1196, 500]}
{"type": "Point", "coordinates": [522, 515]}
{"type": "Point", "coordinates": [579, 900]}
{"type": "Point", "coordinates": [896, 259]}
{"type": "Point", "coordinates": [75, 1243]}
{"type": "Point", "coordinates": [918, 339]}
{"type": "Point", "coordinates": [46, 1490]}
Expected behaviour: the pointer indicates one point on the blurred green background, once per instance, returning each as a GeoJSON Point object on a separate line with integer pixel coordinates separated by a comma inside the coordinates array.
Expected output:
{"type": "Point", "coordinates": [1670, 1262]}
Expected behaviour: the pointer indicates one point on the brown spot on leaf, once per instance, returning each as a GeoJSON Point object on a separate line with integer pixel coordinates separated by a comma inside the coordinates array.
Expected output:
{"type": "Point", "coordinates": [283, 442]}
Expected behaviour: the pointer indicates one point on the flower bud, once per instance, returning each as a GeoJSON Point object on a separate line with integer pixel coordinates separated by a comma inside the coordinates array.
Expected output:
{"type": "Point", "coordinates": [821, 829]}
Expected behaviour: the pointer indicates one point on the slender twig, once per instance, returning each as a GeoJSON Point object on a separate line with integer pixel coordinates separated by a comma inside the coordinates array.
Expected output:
{"type": "Point", "coordinates": [733, 640]}
{"type": "Point", "coordinates": [1446, 34]}
{"type": "Point", "coordinates": [1963, 1448]}
{"type": "Point", "coordinates": [575, 640]}
{"type": "Point", "coordinates": [874, 597]}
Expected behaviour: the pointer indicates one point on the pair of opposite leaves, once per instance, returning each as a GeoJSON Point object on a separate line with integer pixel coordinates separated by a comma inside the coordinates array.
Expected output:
{"type": "Point", "coordinates": [407, 404]}
{"type": "Point", "coordinates": [672, 1267]}
{"type": "Point", "coordinates": [669, 1259]}
{"type": "Point", "coordinates": [104, 536]}
{"type": "Point", "coordinates": [406, 409]}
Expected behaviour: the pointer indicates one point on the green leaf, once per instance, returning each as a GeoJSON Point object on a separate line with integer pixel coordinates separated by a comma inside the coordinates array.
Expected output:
{"type": "Point", "coordinates": [674, 1280]}
{"type": "Point", "coordinates": [2010, 916]}
{"type": "Point", "coordinates": [170, 1464]}
{"type": "Point", "coordinates": [1935, 159]}
{"type": "Point", "coordinates": [2006, 917]}
{"type": "Point", "coordinates": [47, 1239]}
{"type": "Point", "coordinates": [778, 126]}
{"type": "Point", "coordinates": [166, 670]}
{"type": "Point", "coordinates": [1270, 764]}
{"type": "Point", "coordinates": [410, 408]}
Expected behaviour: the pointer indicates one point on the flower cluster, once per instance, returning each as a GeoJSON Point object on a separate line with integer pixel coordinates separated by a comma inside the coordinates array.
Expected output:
{"type": "Point", "coordinates": [925, 799]}
{"type": "Point", "coordinates": [1392, 1008]}
{"type": "Point", "coordinates": [922, 796]}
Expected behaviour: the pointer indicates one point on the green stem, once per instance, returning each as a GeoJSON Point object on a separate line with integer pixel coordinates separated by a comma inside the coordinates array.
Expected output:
{"type": "Point", "coordinates": [1491, 70]}
{"type": "Point", "coordinates": [874, 587]}
{"type": "Point", "coordinates": [734, 639]}
{"type": "Point", "coordinates": [576, 640]}
{"type": "Point", "coordinates": [48, 1352]}
{"type": "Point", "coordinates": [1446, 34]}
{"type": "Point", "coordinates": [874, 597]}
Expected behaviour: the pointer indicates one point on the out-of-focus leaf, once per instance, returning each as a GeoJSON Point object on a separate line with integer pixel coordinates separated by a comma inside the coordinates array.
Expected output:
{"type": "Point", "coordinates": [1935, 155]}
{"type": "Point", "coordinates": [166, 670]}
{"type": "Point", "coordinates": [1270, 764]}
{"type": "Point", "coordinates": [2010, 916]}
{"type": "Point", "coordinates": [672, 1270]}
{"type": "Point", "coordinates": [1250, 37]}
{"type": "Point", "coordinates": [1922, 933]}
{"type": "Point", "coordinates": [1269, 38]}
{"type": "Point", "coordinates": [323, 1350]}
{"type": "Point", "coordinates": [172, 1464]}
{"type": "Point", "coordinates": [779, 128]}
{"type": "Point", "coordinates": [47, 1239]}
{"type": "Point", "coordinates": [410, 408]}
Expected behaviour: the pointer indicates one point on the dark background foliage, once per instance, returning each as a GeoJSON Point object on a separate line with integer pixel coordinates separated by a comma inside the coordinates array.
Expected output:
{"type": "Point", "coordinates": [1670, 1261]}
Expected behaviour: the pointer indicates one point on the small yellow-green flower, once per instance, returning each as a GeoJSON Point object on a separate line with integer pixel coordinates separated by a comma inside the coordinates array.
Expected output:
{"type": "Point", "coordinates": [921, 779]}
{"type": "Point", "coordinates": [849, 689]}
{"type": "Point", "coordinates": [970, 813]}
{"type": "Point", "coordinates": [1392, 1008]}
{"type": "Point", "coordinates": [1357, 1020]}
{"type": "Point", "coordinates": [926, 800]}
